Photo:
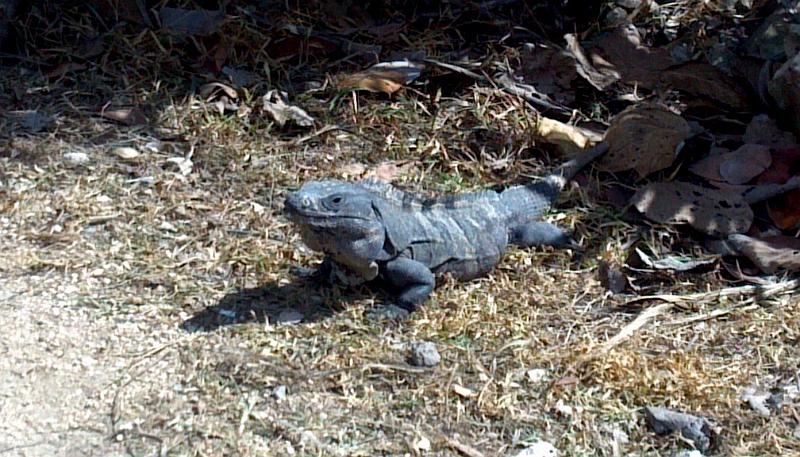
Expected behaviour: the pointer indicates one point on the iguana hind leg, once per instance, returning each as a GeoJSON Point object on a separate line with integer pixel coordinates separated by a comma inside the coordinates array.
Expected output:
{"type": "Point", "coordinates": [414, 279]}
{"type": "Point", "coordinates": [539, 234]}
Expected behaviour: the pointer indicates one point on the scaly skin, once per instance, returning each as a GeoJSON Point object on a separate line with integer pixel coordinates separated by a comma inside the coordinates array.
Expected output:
{"type": "Point", "coordinates": [374, 231]}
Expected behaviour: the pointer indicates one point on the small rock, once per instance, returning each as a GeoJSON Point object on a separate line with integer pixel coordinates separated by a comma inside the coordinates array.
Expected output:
{"type": "Point", "coordinates": [616, 16]}
{"type": "Point", "coordinates": [76, 158]}
{"type": "Point", "coordinates": [423, 444]}
{"type": "Point", "coordinates": [697, 429]}
{"type": "Point", "coordinates": [289, 317]}
{"type": "Point", "coordinates": [227, 313]}
{"type": "Point", "coordinates": [279, 392]}
{"type": "Point", "coordinates": [539, 449]}
{"type": "Point", "coordinates": [388, 312]}
{"type": "Point", "coordinates": [629, 4]}
{"type": "Point", "coordinates": [126, 153]}
{"type": "Point", "coordinates": [536, 375]}
{"type": "Point", "coordinates": [612, 278]}
{"type": "Point", "coordinates": [689, 453]}
{"type": "Point", "coordinates": [424, 354]}
{"type": "Point", "coordinates": [757, 400]}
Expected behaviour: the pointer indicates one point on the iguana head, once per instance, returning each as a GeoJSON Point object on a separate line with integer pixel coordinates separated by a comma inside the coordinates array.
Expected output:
{"type": "Point", "coordinates": [337, 218]}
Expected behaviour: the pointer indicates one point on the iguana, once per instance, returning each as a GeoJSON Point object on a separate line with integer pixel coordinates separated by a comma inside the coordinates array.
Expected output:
{"type": "Point", "coordinates": [375, 231]}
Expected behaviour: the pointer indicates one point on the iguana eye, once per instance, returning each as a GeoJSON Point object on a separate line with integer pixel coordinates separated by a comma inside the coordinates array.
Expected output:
{"type": "Point", "coordinates": [336, 200]}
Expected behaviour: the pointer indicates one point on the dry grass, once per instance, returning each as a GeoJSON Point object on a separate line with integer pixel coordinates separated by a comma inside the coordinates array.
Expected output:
{"type": "Point", "coordinates": [210, 251]}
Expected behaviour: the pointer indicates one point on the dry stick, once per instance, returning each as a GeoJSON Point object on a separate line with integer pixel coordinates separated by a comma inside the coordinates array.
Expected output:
{"type": "Point", "coordinates": [461, 448]}
{"type": "Point", "coordinates": [673, 301]}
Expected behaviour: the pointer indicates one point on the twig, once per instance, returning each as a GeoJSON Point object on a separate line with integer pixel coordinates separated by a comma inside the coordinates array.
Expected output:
{"type": "Point", "coordinates": [461, 448]}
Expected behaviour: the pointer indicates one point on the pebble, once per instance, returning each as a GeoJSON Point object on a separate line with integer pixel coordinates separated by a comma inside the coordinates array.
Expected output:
{"type": "Point", "coordinates": [289, 317]}
{"type": "Point", "coordinates": [629, 4]}
{"type": "Point", "coordinates": [424, 354]}
{"type": "Point", "coordinates": [689, 453]}
{"type": "Point", "coordinates": [279, 392]}
{"type": "Point", "coordinates": [694, 428]}
{"type": "Point", "coordinates": [76, 158]}
{"type": "Point", "coordinates": [539, 449]}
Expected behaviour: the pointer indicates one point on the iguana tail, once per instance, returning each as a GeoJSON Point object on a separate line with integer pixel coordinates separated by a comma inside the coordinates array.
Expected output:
{"type": "Point", "coordinates": [531, 201]}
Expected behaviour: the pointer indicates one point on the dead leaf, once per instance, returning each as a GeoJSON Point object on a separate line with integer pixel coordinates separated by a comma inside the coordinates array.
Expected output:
{"type": "Point", "coordinates": [464, 392]}
{"type": "Point", "coordinates": [126, 152]}
{"type": "Point", "coordinates": [622, 50]}
{"type": "Point", "coordinates": [387, 171]}
{"type": "Point", "coordinates": [785, 165]}
{"type": "Point", "coordinates": [127, 116]}
{"type": "Point", "coordinates": [744, 164]}
{"type": "Point", "coordinates": [274, 103]}
{"type": "Point", "coordinates": [601, 77]}
{"type": "Point", "coordinates": [191, 22]}
{"type": "Point", "coordinates": [550, 70]}
{"type": "Point", "coordinates": [623, 53]}
{"type": "Point", "coordinates": [763, 130]}
{"type": "Point", "coordinates": [784, 210]}
{"type": "Point", "coordinates": [737, 167]}
{"type": "Point", "coordinates": [355, 170]}
{"type": "Point", "coordinates": [674, 263]}
{"type": "Point", "coordinates": [555, 132]}
{"type": "Point", "coordinates": [644, 138]}
{"type": "Point", "coordinates": [386, 77]}
{"type": "Point", "coordinates": [213, 89]}
{"type": "Point", "coordinates": [708, 210]}
{"type": "Point", "coordinates": [769, 254]}
{"type": "Point", "coordinates": [704, 80]}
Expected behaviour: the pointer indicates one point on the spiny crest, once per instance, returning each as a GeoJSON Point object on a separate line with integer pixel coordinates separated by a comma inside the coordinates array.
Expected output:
{"type": "Point", "coordinates": [408, 200]}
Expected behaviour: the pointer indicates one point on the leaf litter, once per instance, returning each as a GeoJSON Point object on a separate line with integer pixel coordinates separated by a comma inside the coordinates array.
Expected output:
{"type": "Point", "coordinates": [190, 235]}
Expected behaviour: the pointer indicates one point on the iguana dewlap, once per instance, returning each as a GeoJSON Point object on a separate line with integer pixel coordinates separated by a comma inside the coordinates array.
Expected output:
{"type": "Point", "coordinates": [376, 231]}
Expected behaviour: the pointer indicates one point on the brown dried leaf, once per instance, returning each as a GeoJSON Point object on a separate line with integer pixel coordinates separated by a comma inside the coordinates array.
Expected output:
{"type": "Point", "coordinates": [784, 210]}
{"type": "Point", "coordinates": [600, 74]}
{"type": "Point", "coordinates": [274, 103]}
{"type": "Point", "coordinates": [644, 138]}
{"type": "Point", "coordinates": [386, 77]}
{"type": "Point", "coordinates": [708, 210]}
{"type": "Point", "coordinates": [387, 171]}
{"type": "Point", "coordinates": [745, 163]}
{"type": "Point", "coordinates": [127, 116]}
{"type": "Point", "coordinates": [551, 71]}
{"type": "Point", "coordinates": [704, 80]}
{"type": "Point", "coordinates": [217, 89]}
{"type": "Point", "coordinates": [737, 167]}
{"type": "Point", "coordinates": [623, 51]}
{"type": "Point", "coordinates": [763, 130]}
{"type": "Point", "coordinates": [769, 254]}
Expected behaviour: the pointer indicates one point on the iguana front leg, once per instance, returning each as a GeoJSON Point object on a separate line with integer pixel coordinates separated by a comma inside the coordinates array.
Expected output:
{"type": "Point", "coordinates": [538, 234]}
{"type": "Point", "coordinates": [414, 279]}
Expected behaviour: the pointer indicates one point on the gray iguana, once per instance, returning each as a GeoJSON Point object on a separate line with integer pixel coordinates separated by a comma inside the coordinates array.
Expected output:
{"type": "Point", "coordinates": [375, 231]}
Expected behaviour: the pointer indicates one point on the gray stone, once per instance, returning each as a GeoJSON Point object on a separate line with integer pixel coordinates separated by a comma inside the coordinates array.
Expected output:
{"type": "Point", "coordinates": [629, 4]}
{"type": "Point", "coordinates": [697, 429]}
{"type": "Point", "coordinates": [424, 354]}
{"type": "Point", "coordinates": [616, 16]}
{"type": "Point", "coordinates": [279, 392]}
{"type": "Point", "coordinates": [289, 317]}
{"type": "Point", "coordinates": [76, 158]}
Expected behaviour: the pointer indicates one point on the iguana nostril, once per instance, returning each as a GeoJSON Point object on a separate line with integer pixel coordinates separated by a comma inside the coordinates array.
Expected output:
{"type": "Point", "coordinates": [305, 202]}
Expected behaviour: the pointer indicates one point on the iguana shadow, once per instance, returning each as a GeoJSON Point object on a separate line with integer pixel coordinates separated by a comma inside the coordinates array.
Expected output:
{"type": "Point", "coordinates": [302, 299]}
